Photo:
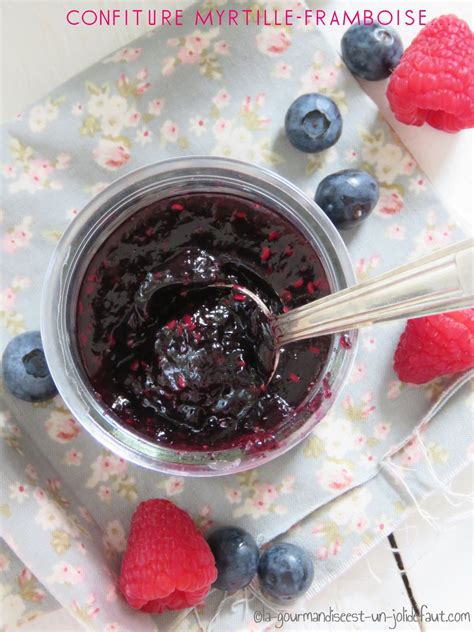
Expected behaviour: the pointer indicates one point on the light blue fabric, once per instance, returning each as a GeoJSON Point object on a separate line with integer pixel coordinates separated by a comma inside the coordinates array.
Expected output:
{"type": "Point", "coordinates": [144, 103]}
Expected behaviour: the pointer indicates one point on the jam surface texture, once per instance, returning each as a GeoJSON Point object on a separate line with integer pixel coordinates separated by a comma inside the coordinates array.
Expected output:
{"type": "Point", "coordinates": [180, 358]}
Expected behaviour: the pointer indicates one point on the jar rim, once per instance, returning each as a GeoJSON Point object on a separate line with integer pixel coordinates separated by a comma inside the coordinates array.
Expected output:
{"type": "Point", "coordinates": [68, 259]}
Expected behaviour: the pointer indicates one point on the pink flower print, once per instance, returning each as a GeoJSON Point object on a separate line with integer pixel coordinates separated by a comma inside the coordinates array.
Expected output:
{"type": "Point", "coordinates": [38, 172]}
{"type": "Point", "coordinates": [318, 529]}
{"type": "Point", "coordinates": [331, 76]}
{"type": "Point", "coordinates": [233, 496]}
{"type": "Point", "coordinates": [205, 511]}
{"type": "Point", "coordinates": [408, 165]}
{"type": "Point", "coordinates": [273, 42]}
{"type": "Point", "coordinates": [221, 48]}
{"type": "Point", "coordinates": [9, 171]}
{"type": "Point", "coordinates": [71, 213]}
{"type": "Point", "coordinates": [19, 492]}
{"type": "Point", "coordinates": [155, 106]}
{"type": "Point", "coordinates": [382, 523]}
{"type": "Point", "coordinates": [321, 553]}
{"type": "Point", "coordinates": [111, 154]}
{"type": "Point", "coordinates": [411, 453]}
{"type": "Point", "coordinates": [220, 127]}
{"type": "Point", "coordinates": [133, 118]}
{"type": "Point", "coordinates": [131, 54]}
{"type": "Point", "coordinates": [174, 486]}
{"type": "Point", "coordinates": [188, 55]}
{"type": "Point", "coordinates": [112, 627]}
{"type": "Point", "coordinates": [197, 125]}
{"type": "Point", "coordinates": [39, 495]}
{"type": "Point", "coordinates": [364, 267]}
{"type": "Point", "coordinates": [54, 484]}
{"type": "Point", "coordinates": [111, 594]}
{"type": "Point", "coordinates": [142, 75]}
{"type": "Point", "coordinates": [396, 231]}
{"type": "Point", "coordinates": [222, 98]}
{"type": "Point", "coordinates": [282, 70]}
{"type": "Point", "coordinates": [77, 109]}
{"type": "Point", "coordinates": [390, 203]}
{"type": "Point", "coordinates": [85, 513]}
{"type": "Point", "coordinates": [394, 389]}
{"type": "Point", "coordinates": [334, 476]}
{"type": "Point", "coordinates": [19, 237]}
{"type": "Point", "coordinates": [370, 344]}
{"type": "Point", "coordinates": [367, 460]}
{"type": "Point", "coordinates": [196, 41]}
{"type": "Point", "coordinates": [351, 156]}
{"type": "Point", "coordinates": [381, 430]}
{"type": "Point", "coordinates": [267, 491]}
{"type": "Point", "coordinates": [7, 300]}
{"type": "Point", "coordinates": [417, 185]}
{"type": "Point", "coordinates": [62, 428]}
{"type": "Point", "coordinates": [4, 563]}
{"type": "Point", "coordinates": [105, 493]}
{"type": "Point", "coordinates": [142, 87]}
{"type": "Point", "coordinates": [359, 525]}
{"type": "Point", "coordinates": [81, 547]}
{"type": "Point", "coordinates": [360, 441]}
{"type": "Point", "coordinates": [260, 505]}
{"type": "Point", "coordinates": [336, 546]}
{"type": "Point", "coordinates": [358, 373]}
{"type": "Point", "coordinates": [62, 161]}
{"type": "Point", "coordinates": [73, 457]}
{"type": "Point", "coordinates": [123, 81]}
{"type": "Point", "coordinates": [106, 465]}
{"type": "Point", "coordinates": [64, 573]}
{"type": "Point", "coordinates": [287, 484]}
{"type": "Point", "coordinates": [31, 472]}
{"type": "Point", "coordinates": [169, 131]}
{"type": "Point", "coordinates": [125, 55]}
{"type": "Point", "coordinates": [168, 66]}
{"type": "Point", "coordinates": [143, 136]}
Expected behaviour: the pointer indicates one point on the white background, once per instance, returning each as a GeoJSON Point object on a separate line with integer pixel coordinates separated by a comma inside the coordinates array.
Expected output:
{"type": "Point", "coordinates": [39, 52]}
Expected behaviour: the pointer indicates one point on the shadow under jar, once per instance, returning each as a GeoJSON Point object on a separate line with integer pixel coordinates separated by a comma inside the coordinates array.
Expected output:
{"type": "Point", "coordinates": [164, 372]}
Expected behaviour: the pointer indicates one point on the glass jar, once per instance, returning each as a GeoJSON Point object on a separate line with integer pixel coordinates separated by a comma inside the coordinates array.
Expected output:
{"type": "Point", "coordinates": [87, 233]}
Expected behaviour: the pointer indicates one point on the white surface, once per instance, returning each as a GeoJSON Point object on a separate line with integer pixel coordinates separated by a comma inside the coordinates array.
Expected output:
{"type": "Point", "coordinates": [39, 52]}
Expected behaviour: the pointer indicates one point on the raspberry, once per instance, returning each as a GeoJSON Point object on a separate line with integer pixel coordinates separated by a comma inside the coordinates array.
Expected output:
{"type": "Point", "coordinates": [433, 82]}
{"type": "Point", "coordinates": [435, 345]}
{"type": "Point", "coordinates": [168, 565]}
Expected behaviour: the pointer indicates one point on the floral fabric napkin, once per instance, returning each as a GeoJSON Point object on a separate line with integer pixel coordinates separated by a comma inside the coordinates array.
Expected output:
{"type": "Point", "coordinates": [66, 502]}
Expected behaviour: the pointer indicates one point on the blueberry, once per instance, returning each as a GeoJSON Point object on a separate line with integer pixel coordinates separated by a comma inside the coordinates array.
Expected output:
{"type": "Point", "coordinates": [347, 197]}
{"type": "Point", "coordinates": [236, 555]}
{"type": "Point", "coordinates": [313, 123]}
{"type": "Point", "coordinates": [285, 571]}
{"type": "Point", "coordinates": [25, 372]}
{"type": "Point", "coordinates": [371, 52]}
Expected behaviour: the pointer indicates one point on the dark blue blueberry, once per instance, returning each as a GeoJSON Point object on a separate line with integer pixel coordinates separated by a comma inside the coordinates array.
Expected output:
{"type": "Point", "coordinates": [25, 372]}
{"type": "Point", "coordinates": [313, 123]}
{"type": "Point", "coordinates": [236, 555]}
{"type": "Point", "coordinates": [371, 52]}
{"type": "Point", "coordinates": [285, 571]}
{"type": "Point", "coordinates": [347, 197]}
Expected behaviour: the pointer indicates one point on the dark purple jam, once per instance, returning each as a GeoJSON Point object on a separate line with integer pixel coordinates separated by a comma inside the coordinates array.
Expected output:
{"type": "Point", "coordinates": [181, 362]}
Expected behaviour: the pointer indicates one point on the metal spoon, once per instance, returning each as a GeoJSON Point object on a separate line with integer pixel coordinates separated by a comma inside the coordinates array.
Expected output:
{"type": "Point", "coordinates": [440, 282]}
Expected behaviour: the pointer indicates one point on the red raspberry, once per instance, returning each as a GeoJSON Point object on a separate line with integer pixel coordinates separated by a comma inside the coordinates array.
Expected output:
{"type": "Point", "coordinates": [435, 345]}
{"type": "Point", "coordinates": [168, 565]}
{"type": "Point", "coordinates": [433, 82]}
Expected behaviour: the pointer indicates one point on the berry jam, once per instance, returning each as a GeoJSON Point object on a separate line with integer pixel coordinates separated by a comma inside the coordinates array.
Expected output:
{"type": "Point", "coordinates": [180, 360]}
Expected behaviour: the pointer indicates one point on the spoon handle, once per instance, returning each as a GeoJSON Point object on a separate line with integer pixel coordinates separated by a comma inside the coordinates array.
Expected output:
{"type": "Point", "coordinates": [440, 282]}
